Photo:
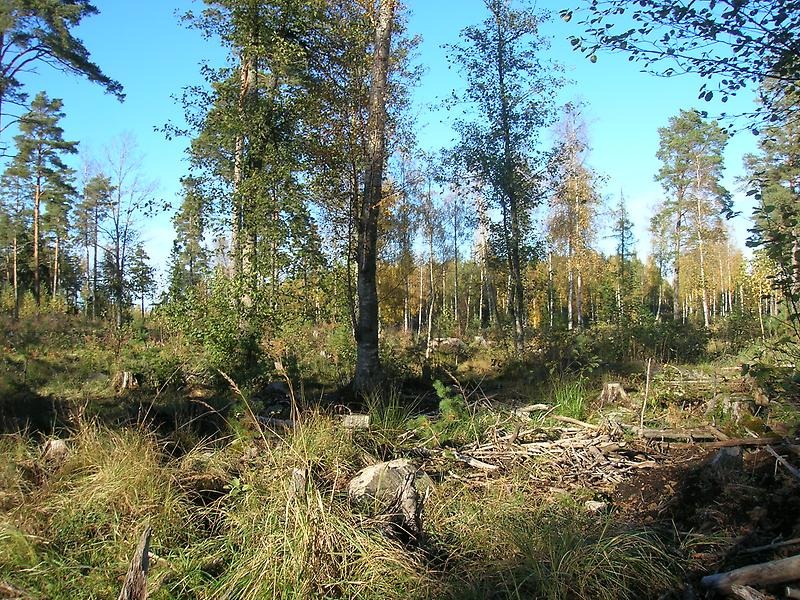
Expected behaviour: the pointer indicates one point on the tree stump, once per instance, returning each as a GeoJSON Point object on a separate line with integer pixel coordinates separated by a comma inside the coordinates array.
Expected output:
{"type": "Point", "coordinates": [135, 586]}
{"type": "Point", "coordinates": [613, 393]}
{"type": "Point", "coordinates": [404, 514]}
{"type": "Point", "coordinates": [124, 380]}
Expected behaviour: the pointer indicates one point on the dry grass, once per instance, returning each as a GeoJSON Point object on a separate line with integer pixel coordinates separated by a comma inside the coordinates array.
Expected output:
{"type": "Point", "coordinates": [227, 527]}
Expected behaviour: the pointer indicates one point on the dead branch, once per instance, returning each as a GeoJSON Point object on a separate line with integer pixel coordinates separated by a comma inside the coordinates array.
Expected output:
{"type": "Point", "coordinates": [744, 442]}
{"type": "Point", "coordinates": [768, 573]}
{"type": "Point", "coordinates": [775, 546]}
{"type": "Point", "coordinates": [572, 421]}
{"type": "Point", "coordinates": [789, 466]}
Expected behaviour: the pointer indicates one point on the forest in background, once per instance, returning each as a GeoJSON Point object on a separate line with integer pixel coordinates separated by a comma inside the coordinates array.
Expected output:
{"type": "Point", "coordinates": [561, 404]}
{"type": "Point", "coordinates": [497, 236]}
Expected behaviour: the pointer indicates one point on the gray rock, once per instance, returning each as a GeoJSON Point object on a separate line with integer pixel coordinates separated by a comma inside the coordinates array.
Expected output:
{"type": "Point", "coordinates": [355, 421]}
{"type": "Point", "coordinates": [595, 506]}
{"type": "Point", "coordinates": [379, 483]}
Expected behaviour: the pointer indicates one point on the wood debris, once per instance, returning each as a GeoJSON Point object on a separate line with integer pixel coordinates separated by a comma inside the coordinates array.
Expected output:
{"type": "Point", "coordinates": [565, 457]}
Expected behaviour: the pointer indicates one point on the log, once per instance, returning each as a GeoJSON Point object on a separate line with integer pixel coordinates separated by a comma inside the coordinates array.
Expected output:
{"type": "Point", "coordinates": [768, 573]}
{"type": "Point", "coordinates": [792, 592]}
{"type": "Point", "coordinates": [747, 593]}
{"type": "Point", "coordinates": [135, 586]}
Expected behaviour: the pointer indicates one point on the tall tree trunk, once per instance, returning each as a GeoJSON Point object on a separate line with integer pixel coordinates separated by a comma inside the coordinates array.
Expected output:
{"type": "Point", "coordinates": [701, 249]}
{"type": "Point", "coordinates": [579, 301]}
{"type": "Point", "coordinates": [96, 225]}
{"type": "Point", "coordinates": [368, 367]}
{"type": "Point", "coordinates": [676, 286]}
{"type": "Point", "coordinates": [37, 198]}
{"type": "Point", "coordinates": [455, 269]}
{"type": "Point", "coordinates": [247, 76]}
{"type": "Point", "coordinates": [16, 281]}
{"type": "Point", "coordinates": [420, 313]}
{"type": "Point", "coordinates": [570, 287]}
{"type": "Point", "coordinates": [55, 266]}
{"type": "Point", "coordinates": [550, 287]}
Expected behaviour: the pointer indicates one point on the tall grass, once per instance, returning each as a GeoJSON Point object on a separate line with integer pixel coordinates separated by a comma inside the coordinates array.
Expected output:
{"type": "Point", "coordinates": [570, 398]}
{"type": "Point", "coordinates": [228, 525]}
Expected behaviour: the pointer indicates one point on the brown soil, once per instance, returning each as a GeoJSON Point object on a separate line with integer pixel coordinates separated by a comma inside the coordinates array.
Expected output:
{"type": "Point", "coordinates": [719, 512]}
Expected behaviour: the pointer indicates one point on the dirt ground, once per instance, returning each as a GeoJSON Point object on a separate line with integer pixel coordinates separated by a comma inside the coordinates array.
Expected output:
{"type": "Point", "coordinates": [744, 500]}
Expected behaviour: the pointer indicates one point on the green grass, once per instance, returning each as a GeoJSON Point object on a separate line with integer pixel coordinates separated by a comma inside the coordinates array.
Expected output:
{"type": "Point", "coordinates": [227, 527]}
{"type": "Point", "coordinates": [570, 399]}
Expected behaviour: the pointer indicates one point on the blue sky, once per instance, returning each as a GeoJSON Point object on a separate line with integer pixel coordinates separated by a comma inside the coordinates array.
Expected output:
{"type": "Point", "coordinates": [144, 46]}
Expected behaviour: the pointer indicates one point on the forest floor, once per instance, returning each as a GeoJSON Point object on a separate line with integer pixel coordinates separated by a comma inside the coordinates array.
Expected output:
{"type": "Point", "coordinates": [525, 490]}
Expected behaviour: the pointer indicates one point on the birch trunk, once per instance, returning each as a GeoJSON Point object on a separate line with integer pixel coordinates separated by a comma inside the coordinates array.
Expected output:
{"type": "Point", "coordinates": [368, 367]}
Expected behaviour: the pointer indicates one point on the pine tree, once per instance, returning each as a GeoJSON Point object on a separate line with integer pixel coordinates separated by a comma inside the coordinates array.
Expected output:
{"type": "Point", "coordinates": [141, 276]}
{"type": "Point", "coordinates": [40, 32]}
{"type": "Point", "coordinates": [622, 231]}
{"type": "Point", "coordinates": [691, 150]}
{"type": "Point", "coordinates": [40, 152]}
{"type": "Point", "coordinates": [775, 180]}
{"type": "Point", "coordinates": [189, 259]}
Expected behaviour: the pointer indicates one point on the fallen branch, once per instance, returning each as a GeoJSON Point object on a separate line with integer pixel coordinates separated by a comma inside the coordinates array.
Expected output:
{"type": "Point", "coordinates": [572, 421]}
{"type": "Point", "coordinates": [744, 442]}
{"type": "Point", "coordinates": [775, 546]}
{"type": "Point", "coordinates": [474, 462]}
{"type": "Point", "coordinates": [768, 573]}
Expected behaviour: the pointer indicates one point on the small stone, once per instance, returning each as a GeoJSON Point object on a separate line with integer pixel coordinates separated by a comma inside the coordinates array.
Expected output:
{"type": "Point", "coordinates": [595, 506]}
{"type": "Point", "coordinates": [355, 421]}
{"type": "Point", "coordinates": [727, 459]}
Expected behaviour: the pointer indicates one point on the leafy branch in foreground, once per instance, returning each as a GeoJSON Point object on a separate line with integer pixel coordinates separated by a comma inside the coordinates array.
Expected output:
{"type": "Point", "coordinates": [735, 43]}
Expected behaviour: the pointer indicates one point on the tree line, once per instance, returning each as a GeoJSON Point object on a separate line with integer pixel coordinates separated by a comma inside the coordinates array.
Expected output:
{"type": "Point", "coordinates": [308, 200]}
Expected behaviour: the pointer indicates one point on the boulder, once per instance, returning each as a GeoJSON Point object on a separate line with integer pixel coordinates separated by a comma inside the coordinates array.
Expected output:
{"type": "Point", "coordinates": [379, 483]}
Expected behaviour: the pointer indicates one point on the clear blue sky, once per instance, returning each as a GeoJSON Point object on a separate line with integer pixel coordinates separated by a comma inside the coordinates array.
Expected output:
{"type": "Point", "coordinates": [144, 46]}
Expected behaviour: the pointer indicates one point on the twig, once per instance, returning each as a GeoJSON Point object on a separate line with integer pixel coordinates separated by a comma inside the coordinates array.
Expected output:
{"type": "Point", "coordinates": [789, 466]}
{"type": "Point", "coordinates": [774, 546]}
